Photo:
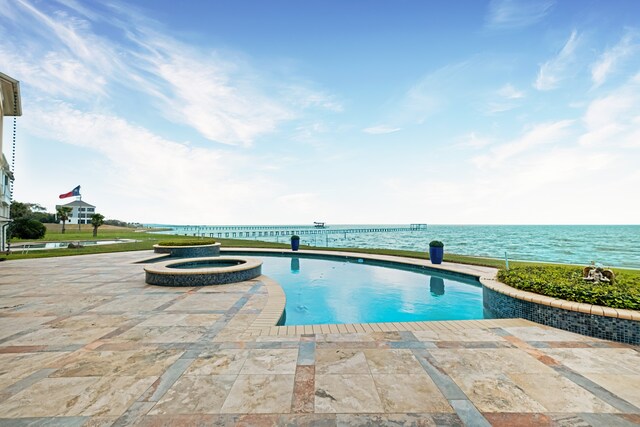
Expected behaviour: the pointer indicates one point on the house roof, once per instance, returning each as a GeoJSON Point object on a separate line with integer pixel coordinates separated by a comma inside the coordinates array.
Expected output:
{"type": "Point", "coordinates": [10, 89]}
{"type": "Point", "coordinates": [78, 203]}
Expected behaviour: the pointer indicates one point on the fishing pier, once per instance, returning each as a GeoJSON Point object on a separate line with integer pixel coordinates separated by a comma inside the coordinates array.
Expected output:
{"type": "Point", "coordinates": [255, 231]}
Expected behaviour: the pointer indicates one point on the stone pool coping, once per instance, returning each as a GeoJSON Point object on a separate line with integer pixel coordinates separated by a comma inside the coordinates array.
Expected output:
{"type": "Point", "coordinates": [162, 267]}
{"type": "Point", "coordinates": [485, 275]}
{"type": "Point", "coordinates": [162, 273]}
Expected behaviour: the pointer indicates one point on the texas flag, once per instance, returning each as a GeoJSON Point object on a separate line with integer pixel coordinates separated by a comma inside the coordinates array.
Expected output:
{"type": "Point", "coordinates": [74, 192]}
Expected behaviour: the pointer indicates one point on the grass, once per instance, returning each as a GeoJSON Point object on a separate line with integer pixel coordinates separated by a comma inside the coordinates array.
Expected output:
{"type": "Point", "coordinates": [555, 280]}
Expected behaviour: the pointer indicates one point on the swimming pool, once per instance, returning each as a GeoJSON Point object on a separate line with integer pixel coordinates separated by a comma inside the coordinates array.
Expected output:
{"type": "Point", "coordinates": [324, 291]}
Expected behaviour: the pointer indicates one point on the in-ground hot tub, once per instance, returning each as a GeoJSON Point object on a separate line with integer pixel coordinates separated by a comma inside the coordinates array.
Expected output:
{"type": "Point", "coordinates": [203, 271]}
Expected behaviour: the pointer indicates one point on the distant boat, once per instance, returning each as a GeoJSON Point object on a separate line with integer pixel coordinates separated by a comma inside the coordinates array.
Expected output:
{"type": "Point", "coordinates": [319, 224]}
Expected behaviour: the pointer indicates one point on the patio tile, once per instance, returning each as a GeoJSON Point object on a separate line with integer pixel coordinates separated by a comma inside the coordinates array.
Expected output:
{"type": "Point", "coordinates": [134, 303]}
{"type": "Point", "coordinates": [195, 358]}
{"type": "Point", "coordinates": [84, 321]}
{"type": "Point", "coordinates": [194, 420]}
{"type": "Point", "coordinates": [15, 366]}
{"type": "Point", "coordinates": [346, 393]}
{"type": "Point", "coordinates": [463, 335]}
{"type": "Point", "coordinates": [501, 419]}
{"type": "Point", "coordinates": [59, 336]}
{"type": "Point", "coordinates": [392, 361]}
{"type": "Point", "coordinates": [263, 394]}
{"type": "Point", "coordinates": [13, 325]}
{"type": "Point", "coordinates": [276, 361]}
{"type": "Point", "coordinates": [222, 362]}
{"type": "Point", "coordinates": [142, 363]}
{"type": "Point", "coordinates": [76, 396]}
{"type": "Point", "coordinates": [204, 301]}
{"type": "Point", "coordinates": [528, 333]}
{"type": "Point", "coordinates": [162, 334]}
{"type": "Point", "coordinates": [598, 360]}
{"type": "Point", "coordinates": [626, 387]}
{"type": "Point", "coordinates": [496, 393]}
{"type": "Point", "coordinates": [414, 392]}
{"type": "Point", "coordinates": [566, 397]}
{"type": "Point", "coordinates": [304, 390]}
{"type": "Point", "coordinates": [174, 319]}
{"type": "Point", "coordinates": [489, 361]}
{"type": "Point", "coordinates": [195, 395]}
{"type": "Point", "coordinates": [417, 420]}
{"type": "Point", "coordinates": [341, 361]}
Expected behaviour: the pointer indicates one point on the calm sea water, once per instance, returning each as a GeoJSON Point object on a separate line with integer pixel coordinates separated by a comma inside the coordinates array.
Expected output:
{"type": "Point", "coordinates": [610, 245]}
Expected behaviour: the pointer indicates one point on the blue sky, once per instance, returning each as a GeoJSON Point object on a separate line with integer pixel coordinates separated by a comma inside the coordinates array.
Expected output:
{"type": "Point", "coordinates": [242, 112]}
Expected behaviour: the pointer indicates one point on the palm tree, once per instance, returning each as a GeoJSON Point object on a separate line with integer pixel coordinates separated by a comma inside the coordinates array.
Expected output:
{"type": "Point", "coordinates": [63, 215]}
{"type": "Point", "coordinates": [96, 220]}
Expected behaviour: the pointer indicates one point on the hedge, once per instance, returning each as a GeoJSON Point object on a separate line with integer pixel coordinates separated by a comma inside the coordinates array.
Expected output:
{"type": "Point", "coordinates": [187, 242]}
{"type": "Point", "coordinates": [566, 282]}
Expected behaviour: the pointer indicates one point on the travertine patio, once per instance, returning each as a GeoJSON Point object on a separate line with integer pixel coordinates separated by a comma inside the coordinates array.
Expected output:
{"type": "Point", "coordinates": [84, 341]}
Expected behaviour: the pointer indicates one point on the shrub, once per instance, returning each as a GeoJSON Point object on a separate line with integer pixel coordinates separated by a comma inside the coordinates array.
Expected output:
{"type": "Point", "coordinates": [436, 244]}
{"type": "Point", "coordinates": [27, 228]}
{"type": "Point", "coordinates": [187, 242]}
{"type": "Point", "coordinates": [294, 237]}
{"type": "Point", "coordinates": [566, 282]}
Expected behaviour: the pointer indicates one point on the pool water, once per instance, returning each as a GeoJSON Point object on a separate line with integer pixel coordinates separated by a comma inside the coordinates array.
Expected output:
{"type": "Point", "coordinates": [323, 291]}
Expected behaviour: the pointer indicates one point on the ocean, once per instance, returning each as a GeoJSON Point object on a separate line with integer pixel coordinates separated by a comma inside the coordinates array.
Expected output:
{"type": "Point", "coordinates": [609, 245]}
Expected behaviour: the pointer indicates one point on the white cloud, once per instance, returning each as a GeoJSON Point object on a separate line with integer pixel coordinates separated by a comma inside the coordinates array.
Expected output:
{"type": "Point", "coordinates": [219, 94]}
{"type": "Point", "coordinates": [430, 94]}
{"type": "Point", "coordinates": [504, 99]}
{"type": "Point", "coordinates": [507, 14]}
{"type": "Point", "coordinates": [157, 175]}
{"type": "Point", "coordinates": [613, 120]}
{"type": "Point", "coordinates": [542, 134]}
{"type": "Point", "coordinates": [554, 70]}
{"type": "Point", "coordinates": [380, 129]}
{"type": "Point", "coordinates": [609, 59]}
{"type": "Point", "coordinates": [508, 91]}
{"type": "Point", "coordinates": [204, 92]}
{"type": "Point", "coordinates": [472, 140]}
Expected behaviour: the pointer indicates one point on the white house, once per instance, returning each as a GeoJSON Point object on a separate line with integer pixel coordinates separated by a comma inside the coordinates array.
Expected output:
{"type": "Point", "coordinates": [10, 105]}
{"type": "Point", "coordinates": [80, 212]}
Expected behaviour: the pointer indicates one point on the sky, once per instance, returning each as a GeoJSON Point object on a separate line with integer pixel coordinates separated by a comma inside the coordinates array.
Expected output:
{"type": "Point", "coordinates": [348, 112]}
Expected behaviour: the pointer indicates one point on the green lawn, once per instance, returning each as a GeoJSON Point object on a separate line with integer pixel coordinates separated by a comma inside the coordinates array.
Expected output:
{"type": "Point", "coordinates": [556, 280]}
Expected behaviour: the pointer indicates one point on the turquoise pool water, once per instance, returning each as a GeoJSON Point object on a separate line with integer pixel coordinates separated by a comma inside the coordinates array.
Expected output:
{"type": "Point", "coordinates": [325, 291]}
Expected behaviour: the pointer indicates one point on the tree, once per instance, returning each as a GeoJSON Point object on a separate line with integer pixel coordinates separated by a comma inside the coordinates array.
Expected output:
{"type": "Point", "coordinates": [26, 228]}
{"type": "Point", "coordinates": [33, 211]}
{"type": "Point", "coordinates": [19, 210]}
{"type": "Point", "coordinates": [96, 220]}
{"type": "Point", "coordinates": [63, 215]}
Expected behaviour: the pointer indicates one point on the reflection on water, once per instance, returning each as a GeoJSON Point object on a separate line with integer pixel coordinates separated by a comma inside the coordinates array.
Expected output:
{"type": "Point", "coordinates": [295, 265]}
{"type": "Point", "coordinates": [436, 286]}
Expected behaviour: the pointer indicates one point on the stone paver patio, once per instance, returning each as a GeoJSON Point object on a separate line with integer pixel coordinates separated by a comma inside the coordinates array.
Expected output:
{"type": "Point", "coordinates": [84, 341]}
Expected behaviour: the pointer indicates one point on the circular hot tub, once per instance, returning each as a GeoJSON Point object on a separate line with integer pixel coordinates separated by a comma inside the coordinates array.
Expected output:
{"type": "Point", "coordinates": [203, 271]}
